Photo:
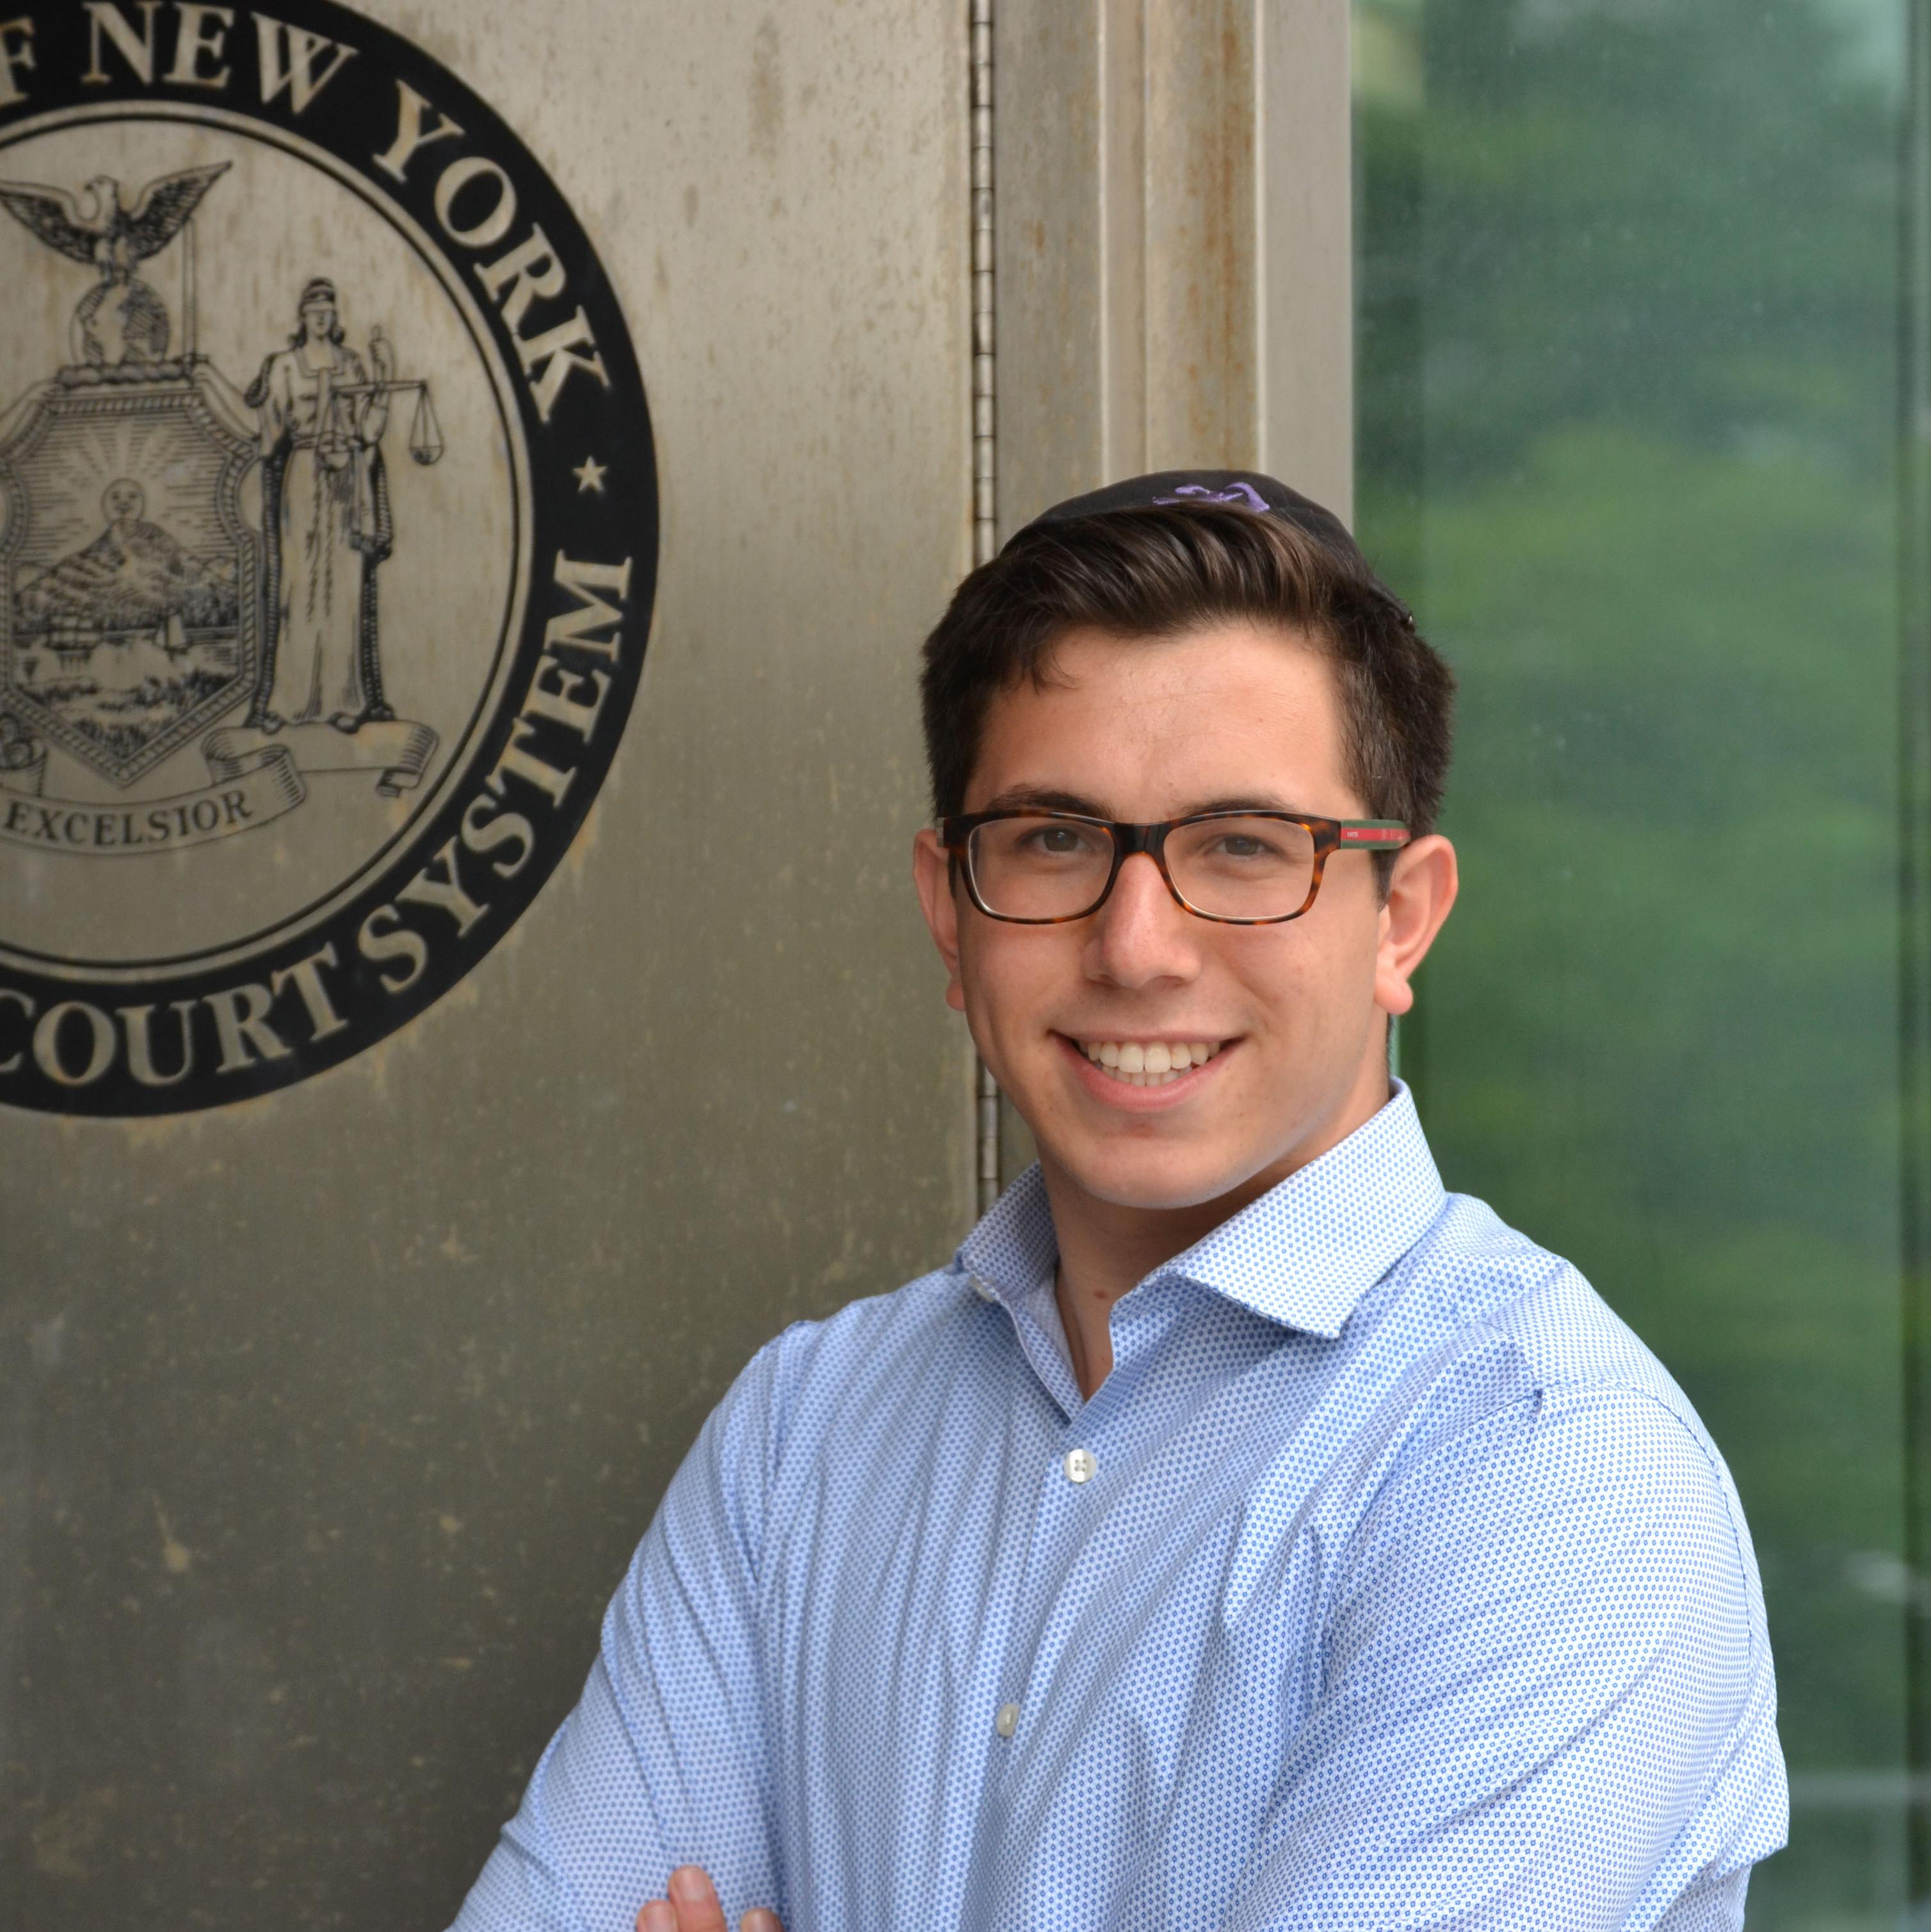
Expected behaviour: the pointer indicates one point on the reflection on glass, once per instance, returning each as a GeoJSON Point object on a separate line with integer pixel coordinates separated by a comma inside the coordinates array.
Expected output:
{"type": "Point", "coordinates": [1628, 421]}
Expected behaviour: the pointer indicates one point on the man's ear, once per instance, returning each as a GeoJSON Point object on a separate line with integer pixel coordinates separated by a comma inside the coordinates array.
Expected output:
{"type": "Point", "coordinates": [932, 873]}
{"type": "Point", "coordinates": [1421, 891]}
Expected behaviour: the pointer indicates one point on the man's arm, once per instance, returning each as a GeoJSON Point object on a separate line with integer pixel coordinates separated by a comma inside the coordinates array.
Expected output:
{"type": "Point", "coordinates": [1546, 1700]}
{"type": "Point", "coordinates": [664, 1761]}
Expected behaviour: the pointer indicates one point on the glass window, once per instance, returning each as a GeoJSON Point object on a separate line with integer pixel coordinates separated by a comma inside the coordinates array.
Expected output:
{"type": "Point", "coordinates": [1630, 280]}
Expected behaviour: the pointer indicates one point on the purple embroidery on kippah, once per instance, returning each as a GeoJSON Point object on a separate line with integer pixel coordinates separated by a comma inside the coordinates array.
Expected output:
{"type": "Point", "coordinates": [1244, 493]}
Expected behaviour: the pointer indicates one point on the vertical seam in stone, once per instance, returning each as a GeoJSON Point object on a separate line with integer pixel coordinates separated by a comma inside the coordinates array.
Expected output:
{"type": "Point", "coordinates": [985, 468]}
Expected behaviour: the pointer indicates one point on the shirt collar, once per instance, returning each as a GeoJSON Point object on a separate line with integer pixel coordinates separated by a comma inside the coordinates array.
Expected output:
{"type": "Point", "coordinates": [1303, 1254]}
{"type": "Point", "coordinates": [1013, 1248]}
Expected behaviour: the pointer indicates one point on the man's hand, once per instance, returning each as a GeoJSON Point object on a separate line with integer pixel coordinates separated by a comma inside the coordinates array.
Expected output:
{"type": "Point", "coordinates": [693, 1906]}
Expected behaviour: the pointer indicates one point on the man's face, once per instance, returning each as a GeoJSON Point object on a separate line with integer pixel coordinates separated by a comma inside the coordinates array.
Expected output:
{"type": "Point", "coordinates": [1148, 729]}
{"type": "Point", "coordinates": [124, 503]}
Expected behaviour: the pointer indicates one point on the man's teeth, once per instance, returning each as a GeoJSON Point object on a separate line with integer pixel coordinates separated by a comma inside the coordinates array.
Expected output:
{"type": "Point", "coordinates": [1159, 1065]}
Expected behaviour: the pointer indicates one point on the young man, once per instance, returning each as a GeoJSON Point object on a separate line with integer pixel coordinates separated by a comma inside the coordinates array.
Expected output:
{"type": "Point", "coordinates": [1241, 1532]}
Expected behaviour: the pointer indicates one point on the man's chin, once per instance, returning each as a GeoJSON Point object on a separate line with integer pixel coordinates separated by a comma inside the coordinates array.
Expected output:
{"type": "Point", "coordinates": [1154, 1181]}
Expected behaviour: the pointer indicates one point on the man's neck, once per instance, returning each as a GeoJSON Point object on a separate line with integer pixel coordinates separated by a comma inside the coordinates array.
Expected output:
{"type": "Point", "coordinates": [1106, 1248]}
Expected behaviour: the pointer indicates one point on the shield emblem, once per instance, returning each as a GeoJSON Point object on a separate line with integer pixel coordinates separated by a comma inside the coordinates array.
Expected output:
{"type": "Point", "coordinates": [129, 605]}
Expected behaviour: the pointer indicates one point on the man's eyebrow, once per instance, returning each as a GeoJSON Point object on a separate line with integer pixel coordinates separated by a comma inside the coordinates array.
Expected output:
{"type": "Point", "coordinates": [1017, 798]}
{"type": "Point", "coordinates": [1246, 802]}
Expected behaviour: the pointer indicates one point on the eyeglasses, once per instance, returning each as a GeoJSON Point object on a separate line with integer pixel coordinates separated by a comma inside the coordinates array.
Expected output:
{"type": "Point", "coordinates": [1041, 868]}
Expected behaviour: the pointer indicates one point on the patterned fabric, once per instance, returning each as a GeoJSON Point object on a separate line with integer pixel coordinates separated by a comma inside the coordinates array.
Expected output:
{"type": "Point", "coordinates": [1387, 1581]}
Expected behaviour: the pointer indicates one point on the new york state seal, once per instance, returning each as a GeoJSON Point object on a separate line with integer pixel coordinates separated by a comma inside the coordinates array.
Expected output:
{"type": "Point", "coordinates": [328, 543]}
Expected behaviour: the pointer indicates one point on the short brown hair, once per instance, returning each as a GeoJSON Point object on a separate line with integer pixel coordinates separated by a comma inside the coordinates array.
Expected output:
{"type": "Point", "coordinates": [1155, 572]}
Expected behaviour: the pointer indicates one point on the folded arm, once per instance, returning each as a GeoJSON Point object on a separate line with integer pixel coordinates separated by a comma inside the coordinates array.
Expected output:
{"type": "Point", "coordinates": [664, 1760]}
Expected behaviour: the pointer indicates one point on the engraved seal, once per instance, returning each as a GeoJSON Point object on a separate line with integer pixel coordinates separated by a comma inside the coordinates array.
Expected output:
{"type": "Point", "coordinates": [328, 544]}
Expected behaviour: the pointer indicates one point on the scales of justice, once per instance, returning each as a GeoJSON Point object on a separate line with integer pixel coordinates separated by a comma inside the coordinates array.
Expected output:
{"type": "Point", "coordinates": [138, 608]}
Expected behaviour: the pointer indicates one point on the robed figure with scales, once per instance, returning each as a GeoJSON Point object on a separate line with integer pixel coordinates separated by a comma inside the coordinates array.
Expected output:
{"type": "Point", "coordinates": [327, 525]}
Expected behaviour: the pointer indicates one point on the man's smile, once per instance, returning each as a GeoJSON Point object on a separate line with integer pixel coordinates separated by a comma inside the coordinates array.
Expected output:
{"type": "Point", "coordinates": [1123, 1062]}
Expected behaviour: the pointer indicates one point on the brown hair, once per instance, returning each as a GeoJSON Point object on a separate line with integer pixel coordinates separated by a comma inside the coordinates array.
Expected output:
{"type": "Point", "coordinates": [1155, 572]}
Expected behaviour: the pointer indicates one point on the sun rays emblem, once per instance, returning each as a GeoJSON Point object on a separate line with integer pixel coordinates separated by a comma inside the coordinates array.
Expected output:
{"type": "Point", "coordinates": [133, 601]}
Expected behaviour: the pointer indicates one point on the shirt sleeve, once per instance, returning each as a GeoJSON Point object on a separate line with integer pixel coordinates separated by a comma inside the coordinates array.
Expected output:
{"type": "Point", "coordinates": [1546, 1697]}
{"type": "Point", "coordinates": [665, 1760]}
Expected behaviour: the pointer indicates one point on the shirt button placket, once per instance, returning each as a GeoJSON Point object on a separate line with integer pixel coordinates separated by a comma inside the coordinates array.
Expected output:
{"type": "Point", "coordinates": [1079, 1467]}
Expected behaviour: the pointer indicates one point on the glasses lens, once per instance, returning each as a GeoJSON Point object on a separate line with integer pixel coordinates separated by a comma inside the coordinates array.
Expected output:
{"type": "Point", "coordinates": [1242, 868]}
{"type": "Point", "coordinates": [1039, 868]}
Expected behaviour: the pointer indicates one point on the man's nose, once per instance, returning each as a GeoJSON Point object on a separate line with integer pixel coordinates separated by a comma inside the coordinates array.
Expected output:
{"type": "Point", "coordinates": [1142, 933]}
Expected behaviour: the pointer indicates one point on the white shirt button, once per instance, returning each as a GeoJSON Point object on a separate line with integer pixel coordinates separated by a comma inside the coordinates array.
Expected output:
{"type": "Point", "coordinates": [1007, 1721]}
{"type": "Point", "coordinates": [984, 1292]}
{"type": "Point", "coordinates": [1080, 1466]}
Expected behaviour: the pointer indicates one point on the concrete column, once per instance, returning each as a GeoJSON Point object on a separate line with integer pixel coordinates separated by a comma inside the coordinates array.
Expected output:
{"type": "Point", "coordinates": [1175, 244]}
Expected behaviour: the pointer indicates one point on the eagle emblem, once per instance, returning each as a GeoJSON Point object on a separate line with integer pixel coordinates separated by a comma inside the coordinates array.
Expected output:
{"type": "Point", "coordinates": [121, 319]}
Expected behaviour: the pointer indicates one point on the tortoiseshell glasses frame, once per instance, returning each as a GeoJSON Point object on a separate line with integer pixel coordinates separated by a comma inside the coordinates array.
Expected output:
{"type": "Point", "coordinates": [1328, 836]}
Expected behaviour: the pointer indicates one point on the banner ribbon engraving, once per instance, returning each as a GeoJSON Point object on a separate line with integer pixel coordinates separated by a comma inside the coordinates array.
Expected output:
{"type": "Point", "coordinates": [255, 778]}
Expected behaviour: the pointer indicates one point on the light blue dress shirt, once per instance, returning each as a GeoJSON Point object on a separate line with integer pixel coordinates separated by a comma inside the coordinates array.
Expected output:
{"type": "Point", "coordinates": [1387, 1581]}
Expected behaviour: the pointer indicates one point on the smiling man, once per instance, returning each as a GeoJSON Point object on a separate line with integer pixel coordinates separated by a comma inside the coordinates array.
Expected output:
{"type": "Point", "coordinates": [1242, 1531]}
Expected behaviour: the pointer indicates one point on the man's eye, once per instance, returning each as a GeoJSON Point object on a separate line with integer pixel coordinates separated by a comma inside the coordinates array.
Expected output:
{"type": "Point", "coordinates": [1055, 841]}
{"type": "Point", "coordinates": [1243, 845]}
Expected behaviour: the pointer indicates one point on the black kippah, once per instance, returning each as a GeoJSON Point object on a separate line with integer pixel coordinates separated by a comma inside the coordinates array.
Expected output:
{"type": "Point", "coordinates": [1231, 489]}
